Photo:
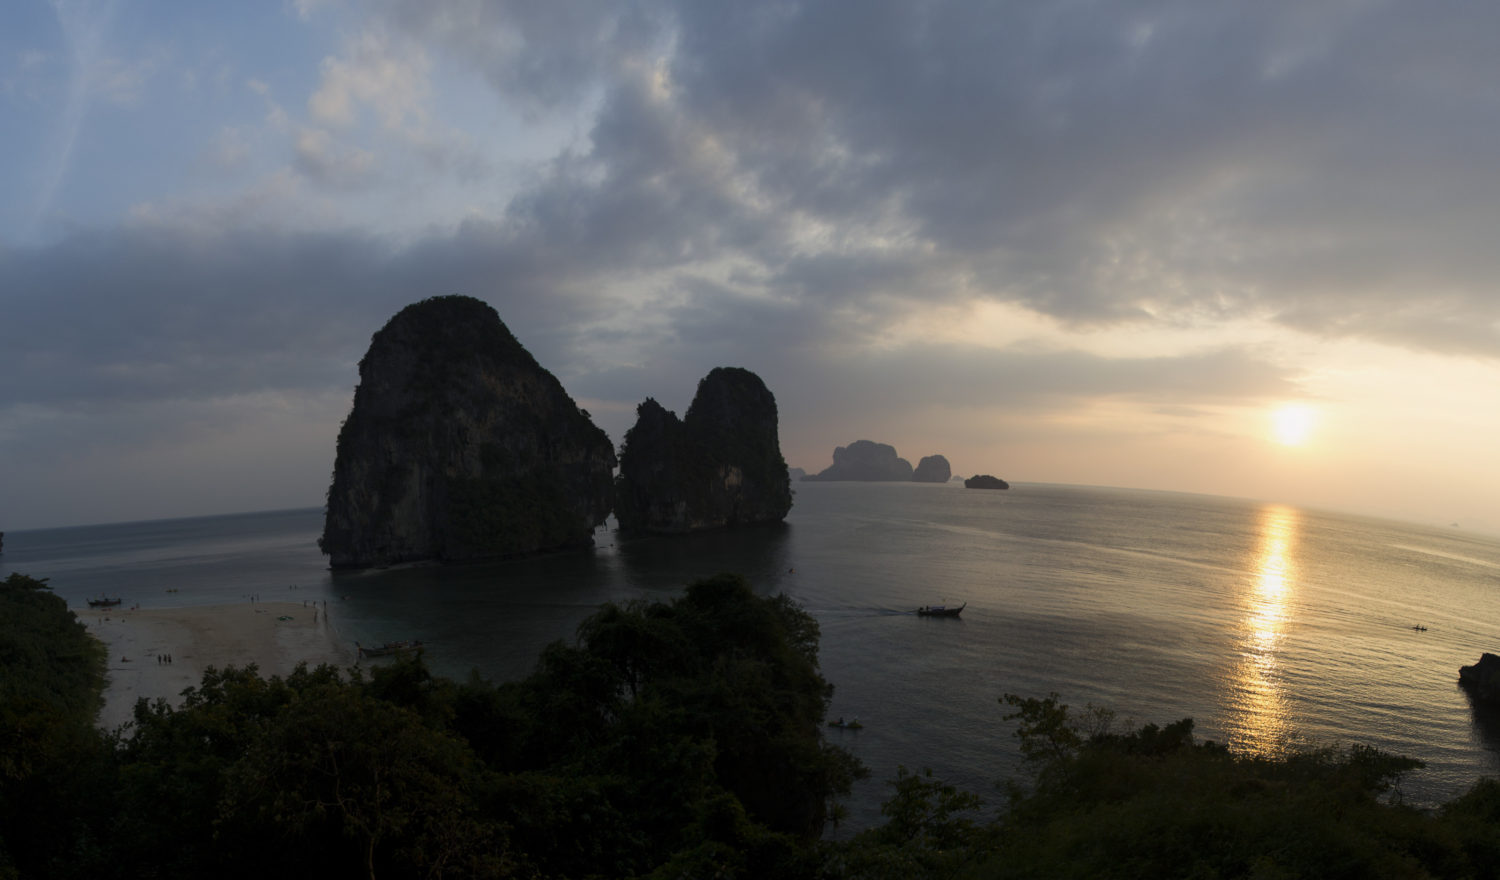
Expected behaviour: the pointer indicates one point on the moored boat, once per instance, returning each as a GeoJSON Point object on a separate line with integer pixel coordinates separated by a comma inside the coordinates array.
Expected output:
{"type": "Point", "coordinates": [941, 610]}
{"type": "Point", "coordinates": [102, 602]}
{"type": "Point", "coordinates": [388, 649]}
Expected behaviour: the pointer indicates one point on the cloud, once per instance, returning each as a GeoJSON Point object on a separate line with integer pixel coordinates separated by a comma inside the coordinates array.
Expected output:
{"type": "Point", "coordinates": [1099, 164]}
{"type": "Point", "coordinates": [385, 76]}
{"type": "Point", "coordinates": [329, 163]}
{"type": "Point", "coordinates": [545, 56]}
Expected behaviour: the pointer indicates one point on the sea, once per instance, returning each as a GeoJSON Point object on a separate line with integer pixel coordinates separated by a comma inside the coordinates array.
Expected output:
{"type": "Point", "coordinates": [1273, 627]}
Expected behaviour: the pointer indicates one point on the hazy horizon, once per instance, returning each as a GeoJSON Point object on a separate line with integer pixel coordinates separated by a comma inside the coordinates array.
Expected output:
{"type": "Point", "coordinates": [1242, 250]}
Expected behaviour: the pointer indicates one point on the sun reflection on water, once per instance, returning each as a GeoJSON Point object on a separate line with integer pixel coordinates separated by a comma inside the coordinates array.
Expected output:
{"type": "Point", "coordinates": [1259, 720]}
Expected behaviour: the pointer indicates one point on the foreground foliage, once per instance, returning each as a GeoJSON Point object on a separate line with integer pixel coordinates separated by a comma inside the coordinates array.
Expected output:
{"type": "Point", "coordinates": [682, 737]}
{"type": "Point", "coordinates": [51, 676]}
{"type": "Point", "coordinates": [1156, 802]}
{"type": "Point", "coordinates": [670, 740]}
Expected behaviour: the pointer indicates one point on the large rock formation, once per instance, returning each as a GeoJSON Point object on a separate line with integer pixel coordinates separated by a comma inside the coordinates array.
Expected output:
{"type": "Point", "coordinates": [1483, 678]}
{"type": "Point", "coordinates": [461, 446]}
{"type": "Point", "coordinates": [865, 460]}
{"type": "Point", "coordinates": [985, 481]}
{"type": "Point", "coordinates": [932, 469]}
{"type": "Point", "coordinates": [719, 466]}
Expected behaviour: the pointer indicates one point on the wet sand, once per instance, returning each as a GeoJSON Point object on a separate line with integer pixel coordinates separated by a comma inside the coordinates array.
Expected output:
{"type": "Point", "coordinates": [196, 638]}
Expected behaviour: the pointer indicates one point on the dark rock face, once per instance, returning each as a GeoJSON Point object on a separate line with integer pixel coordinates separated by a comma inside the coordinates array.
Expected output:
{"type": "Point", "coordinates": [461, 446]}
{"type": "Point", "coordinates": [1483, 678]}
{"type": "Point", "coordinates": [865, 460]}
{"type": "Point", "coordinates": [985, 481]}
{"type": "Point", "coordinates": [720, 466]}
{"type": "Point", "coordinates": [932, 469]}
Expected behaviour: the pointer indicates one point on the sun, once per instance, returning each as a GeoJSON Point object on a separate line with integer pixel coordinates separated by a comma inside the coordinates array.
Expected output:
{"type": "Point", "coordinates": [1294, 424]}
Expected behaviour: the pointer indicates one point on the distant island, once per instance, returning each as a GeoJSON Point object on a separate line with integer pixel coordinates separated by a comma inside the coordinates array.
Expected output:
{"type": "Point", "coordinates": [868, 461]}
{"type": "Point", "coordinates": [932, 469]}
{"type": "Point", "coordinates": [985, 481]}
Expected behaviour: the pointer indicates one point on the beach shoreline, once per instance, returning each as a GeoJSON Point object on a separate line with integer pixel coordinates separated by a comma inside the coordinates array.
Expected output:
{"type": "Point", "coordinates": [275, 636]}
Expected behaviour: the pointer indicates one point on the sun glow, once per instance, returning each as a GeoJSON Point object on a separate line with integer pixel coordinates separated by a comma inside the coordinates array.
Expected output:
{"type": "Point", "coordinates": [1294, 424]}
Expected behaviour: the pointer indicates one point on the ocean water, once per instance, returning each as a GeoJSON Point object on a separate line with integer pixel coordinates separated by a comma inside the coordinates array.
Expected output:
{"type": "Point", "coordinates": [1271, 626]}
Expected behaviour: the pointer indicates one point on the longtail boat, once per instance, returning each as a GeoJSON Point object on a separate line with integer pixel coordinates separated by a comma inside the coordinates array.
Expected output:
{"type": "Point", "coordinates": [941, 610]}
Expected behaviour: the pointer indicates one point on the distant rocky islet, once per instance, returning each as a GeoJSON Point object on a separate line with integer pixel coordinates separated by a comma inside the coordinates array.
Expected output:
{"type": "Point", "coordinates": [868, 461]}
{"type": "Point", "coordinates": [985, 481]}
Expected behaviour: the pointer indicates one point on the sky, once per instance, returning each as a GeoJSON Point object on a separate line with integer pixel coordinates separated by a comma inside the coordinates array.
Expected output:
{"type": "Point", "coordinates": [1246, 249]}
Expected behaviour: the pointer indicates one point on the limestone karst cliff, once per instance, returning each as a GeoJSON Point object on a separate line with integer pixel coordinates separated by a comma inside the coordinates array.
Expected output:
{"type": "Point", "coordinates": [865, 460]}
{"type": "Point", "coordinates": [932, 469]}
{"type": "Point", "coordinates": [720, 466]}
{"type": "Point", "coordinates": [461, 446]}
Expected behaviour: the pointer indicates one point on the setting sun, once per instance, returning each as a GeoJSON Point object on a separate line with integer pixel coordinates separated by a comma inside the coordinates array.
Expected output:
{"type": "Point", "coordinates": [1294, 422]}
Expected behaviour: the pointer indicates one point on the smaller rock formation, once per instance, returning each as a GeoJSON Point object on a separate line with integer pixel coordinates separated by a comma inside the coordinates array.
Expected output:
{"type": "Point", "coordinates": [985, 481]}
{"type": "Point", "coordinates": [718, 467]}
{"type": "Point", "coordinates": [796, 474]}
{"type": "Point", "coordinates": [1483, 678]}
{"type": "Point", "coordinates": [932, 469]}
{"type": "Point", "coordinates": [865, 460]}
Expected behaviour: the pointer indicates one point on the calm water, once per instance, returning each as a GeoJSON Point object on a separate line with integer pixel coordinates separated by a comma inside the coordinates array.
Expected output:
{"type": "Point", "coordinates": [1270, 626]}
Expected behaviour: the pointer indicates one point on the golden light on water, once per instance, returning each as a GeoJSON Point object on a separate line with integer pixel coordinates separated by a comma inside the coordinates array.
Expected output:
{"type": "Point", "coordinates": [1259, 721]}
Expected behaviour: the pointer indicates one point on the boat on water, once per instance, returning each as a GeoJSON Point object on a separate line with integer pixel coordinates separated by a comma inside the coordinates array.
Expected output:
{"type": "Point", "coordinates": [102, 602]}
{"type": "Point", "coordinates": [388, 649]}
{"type": "Point", "coordinates": [941, 610]}
{"type": "Point", "coordinates": [846, 725]}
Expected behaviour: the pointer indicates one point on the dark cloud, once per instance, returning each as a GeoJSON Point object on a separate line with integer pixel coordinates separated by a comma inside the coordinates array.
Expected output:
{"type": "Point", "coordinates": [1096, 162]}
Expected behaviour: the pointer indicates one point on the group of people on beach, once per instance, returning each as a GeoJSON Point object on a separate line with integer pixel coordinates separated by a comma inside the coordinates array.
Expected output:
{"type": "Point", "coordinates": [163, 658]}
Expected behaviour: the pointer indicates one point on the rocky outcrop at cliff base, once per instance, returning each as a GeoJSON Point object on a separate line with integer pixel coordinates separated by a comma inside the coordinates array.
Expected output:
{"type": "Point", "coordinates": [1483, 678]}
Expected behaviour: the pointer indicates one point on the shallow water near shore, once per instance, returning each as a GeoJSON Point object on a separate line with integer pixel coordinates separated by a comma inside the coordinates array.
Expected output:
{"type": "Point", "coordinates": [1272, 627]}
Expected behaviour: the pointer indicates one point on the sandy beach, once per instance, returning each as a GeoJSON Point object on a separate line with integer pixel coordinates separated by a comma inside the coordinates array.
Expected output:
{"type": "Point", "coordinates": [275, 636]}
